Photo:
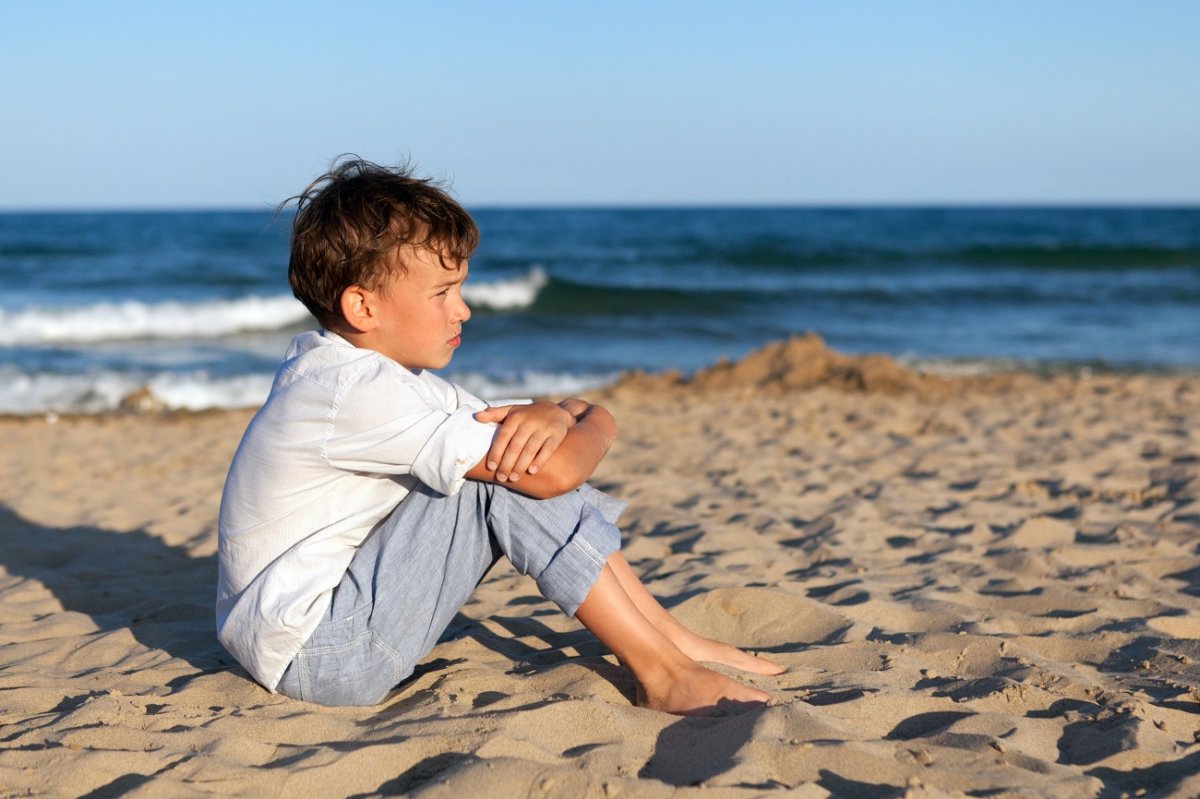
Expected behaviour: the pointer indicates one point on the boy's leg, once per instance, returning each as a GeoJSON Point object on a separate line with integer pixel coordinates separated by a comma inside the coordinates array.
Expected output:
{"type": "Point", "coordinates": [668, 679]}
{"type": "Point", "coordinates": [694, 646]}
{"type": "Point", "coordinates": [584, 577]}
{"type": "Point", "coordinates": [417, 569]}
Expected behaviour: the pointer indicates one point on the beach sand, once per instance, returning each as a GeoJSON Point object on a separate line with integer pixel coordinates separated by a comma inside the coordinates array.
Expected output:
{"type": "Point", "coordinates": [979, 586]}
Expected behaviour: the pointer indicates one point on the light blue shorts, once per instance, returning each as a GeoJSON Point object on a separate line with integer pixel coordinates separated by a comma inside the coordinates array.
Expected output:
{"type": "Point", "coordinates": [421, 563]}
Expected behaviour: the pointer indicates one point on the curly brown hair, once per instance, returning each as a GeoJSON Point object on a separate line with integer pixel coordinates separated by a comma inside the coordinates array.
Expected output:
{"type": "Point", "coordinates": [352, 222]}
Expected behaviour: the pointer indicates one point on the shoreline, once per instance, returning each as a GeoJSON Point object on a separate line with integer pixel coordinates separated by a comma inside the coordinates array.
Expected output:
{"type": "Point", "coordinates": [884, 372]}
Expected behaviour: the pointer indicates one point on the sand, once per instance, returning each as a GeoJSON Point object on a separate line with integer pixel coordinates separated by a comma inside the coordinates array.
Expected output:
{"type": "Point", "coordinates": [982, 587]}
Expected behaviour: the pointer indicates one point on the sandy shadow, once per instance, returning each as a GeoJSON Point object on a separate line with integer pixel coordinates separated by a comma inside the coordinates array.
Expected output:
{"type": "Point", "coordinates": [164, 596]}
{"type": "Point", "coordinates": [692, 750]}
{"type": "Point", "coordinates": [123, 580]}
{"type": "Point", "coordinates": [1160, 779]}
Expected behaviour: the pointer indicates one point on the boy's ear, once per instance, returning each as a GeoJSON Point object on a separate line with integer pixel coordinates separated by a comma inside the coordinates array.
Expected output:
{"type": "Point", "coordinates": [357, 308]}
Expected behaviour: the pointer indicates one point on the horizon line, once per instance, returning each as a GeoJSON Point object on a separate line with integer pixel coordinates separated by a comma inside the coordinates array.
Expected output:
{"type": "Point", "coordinates": [653, 206]}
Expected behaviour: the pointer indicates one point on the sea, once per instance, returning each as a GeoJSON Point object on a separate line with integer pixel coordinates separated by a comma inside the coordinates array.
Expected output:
{"type": "Point", "coordinates": [195, 306]}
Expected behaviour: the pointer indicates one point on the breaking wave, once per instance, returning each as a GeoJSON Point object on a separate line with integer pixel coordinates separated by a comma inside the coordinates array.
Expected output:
{"type": "Point", "coordinates": [130, 320]}
{"type": "Point", "coordinates": [23, 393]}
{"type": "Point", "coordinates": [134, 320]}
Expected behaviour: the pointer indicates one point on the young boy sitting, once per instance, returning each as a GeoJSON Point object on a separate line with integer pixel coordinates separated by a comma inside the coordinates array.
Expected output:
{"type": "Point", "coordinates": [369, 497]}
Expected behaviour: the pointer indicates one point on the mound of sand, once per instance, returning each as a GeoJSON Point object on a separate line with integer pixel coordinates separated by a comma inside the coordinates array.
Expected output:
{"type": "Point", "coordinates": [798, 363]}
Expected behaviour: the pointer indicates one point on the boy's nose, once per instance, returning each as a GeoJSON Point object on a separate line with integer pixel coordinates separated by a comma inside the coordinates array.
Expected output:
{"type": "Point", "coordinates": [464, 310]}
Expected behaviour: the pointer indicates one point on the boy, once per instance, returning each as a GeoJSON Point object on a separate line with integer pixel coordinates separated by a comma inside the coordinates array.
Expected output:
{"type": "Point", "coordinates": [369, 497]}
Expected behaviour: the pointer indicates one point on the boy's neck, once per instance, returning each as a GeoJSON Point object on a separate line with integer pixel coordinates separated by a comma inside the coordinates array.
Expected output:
{"type": "Point", "coordinates": [355, 339]}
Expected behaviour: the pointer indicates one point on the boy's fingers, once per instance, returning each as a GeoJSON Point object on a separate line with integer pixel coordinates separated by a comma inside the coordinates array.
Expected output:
{"type": "Point", "coordinates": [511, 450]}
{"type": "Point", "coordinates": [499, 445]}
{"type": "Point", "coordinates": [495, 414]}
{"type": "Point", "coordinates": [515, 445]}
{"type": "Point", "coordinates": [549, 447]}
{"type": "Point", "coordinates": [543, 455]}
{"type": "Point", "coordinates": [573, 406]}
{"type": "Point", "coordinates": [532, 447]}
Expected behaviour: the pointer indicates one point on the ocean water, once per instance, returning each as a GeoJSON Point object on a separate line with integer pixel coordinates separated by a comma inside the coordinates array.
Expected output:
{"type": "Point", "coordinates": [195, 305]}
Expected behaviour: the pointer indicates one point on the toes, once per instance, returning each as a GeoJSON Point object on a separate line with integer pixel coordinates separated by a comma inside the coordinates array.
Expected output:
{"type": "Point", "coordinates": [768, 668]}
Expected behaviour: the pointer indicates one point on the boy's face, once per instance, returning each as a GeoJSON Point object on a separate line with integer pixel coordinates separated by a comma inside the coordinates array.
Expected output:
{"type": "Point", "coordinates": [421, 312]}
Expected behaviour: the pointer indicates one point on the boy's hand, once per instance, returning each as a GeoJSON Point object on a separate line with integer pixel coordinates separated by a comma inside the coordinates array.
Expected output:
{"type": "Point", "coordinates": [575, 407]}
{"type": "Point", "coordinates": [528, 436]}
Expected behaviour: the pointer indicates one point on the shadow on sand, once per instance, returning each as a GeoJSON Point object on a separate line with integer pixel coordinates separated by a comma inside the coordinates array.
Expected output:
{"type": "Point", "coordinates": [122, 580]}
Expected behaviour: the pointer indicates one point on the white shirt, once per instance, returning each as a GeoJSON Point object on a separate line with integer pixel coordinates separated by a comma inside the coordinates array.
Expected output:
{"type": "Point", "coordinates": [343, 437]}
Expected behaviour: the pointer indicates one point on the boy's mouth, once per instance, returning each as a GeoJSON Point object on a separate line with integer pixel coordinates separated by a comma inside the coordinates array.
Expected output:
{"type": "Point", "coordinates": [457, 340]}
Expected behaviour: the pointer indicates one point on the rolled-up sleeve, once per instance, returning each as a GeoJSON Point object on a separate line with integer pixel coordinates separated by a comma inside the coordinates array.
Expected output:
{"type": "Point", "coordinates": [389, 427]}
{"type": "Point", "coordinates": [455, 446]}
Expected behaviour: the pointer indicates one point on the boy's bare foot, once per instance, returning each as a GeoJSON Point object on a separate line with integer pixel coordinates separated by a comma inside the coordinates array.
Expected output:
{"type": "Point", "coordinates": [694, 646]}
{"type": "Point", "coordinates": [697, 691]}
{"type": "Point", "coordinates": [705, 649]}
{"type": "Point", "coordinates": [662, 653]}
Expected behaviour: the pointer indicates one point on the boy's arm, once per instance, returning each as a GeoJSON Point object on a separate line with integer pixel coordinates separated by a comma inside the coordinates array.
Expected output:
{"type": "Point", "coordinates": [529, 434]}
{"type": "Point", "coordinates": [584, 445]}
{"type": "Point", "coordinates": [527, 437]}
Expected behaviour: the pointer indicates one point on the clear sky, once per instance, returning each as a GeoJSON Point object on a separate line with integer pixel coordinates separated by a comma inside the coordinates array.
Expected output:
{"type": "Point", "coordinates": [163, 104]}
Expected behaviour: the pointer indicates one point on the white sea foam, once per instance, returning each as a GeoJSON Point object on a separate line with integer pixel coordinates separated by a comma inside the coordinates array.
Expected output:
{"type": "Point", "coordinates": [125, 321]}
{"type": "Point", "coordinates": [530, 384]}
{"type": "Point", "coordinates": [977, 367]}
{"type": "Point", "coordinates": [24, 393]}
{"type": "Point", "coordinates": [963, 367]}
{"type": "Point", "coordinates": [138, 320]}
{"type": "Point", "coordinates": [506, 295]}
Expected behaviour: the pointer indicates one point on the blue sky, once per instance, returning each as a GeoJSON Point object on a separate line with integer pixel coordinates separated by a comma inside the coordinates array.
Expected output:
{"type": "Point", "coordinates": [234, 104]}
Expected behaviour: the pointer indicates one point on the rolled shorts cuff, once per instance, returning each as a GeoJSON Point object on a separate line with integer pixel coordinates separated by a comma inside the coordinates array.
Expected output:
{"type": "Point", "coordinates": [610, 507]}
{"type": "Point", "coordinates": [574, 569]}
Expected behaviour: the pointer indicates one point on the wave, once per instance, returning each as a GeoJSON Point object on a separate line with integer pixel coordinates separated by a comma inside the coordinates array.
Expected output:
{"type": "Point", "coordinates": [903, 289]}
{"type": "Point", "coordinates": [24, 393]}
{"type": "Point", "coordinates": [530, 384]}
{"type": "Point", "coordinates": [790, 255]}
{"type": "Point", "coordinates": [1076, 256]}
{"type": "Point", "coordinates": [569, 297]}
{"type": "Point", "coordinates": [1050, 367]}
{"type": "Point", "coordinates": [134, 320]}
{"type": "Point", "coordinates": [507, 295]}
{"type": "Point", "coordinates": [130, 320]}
